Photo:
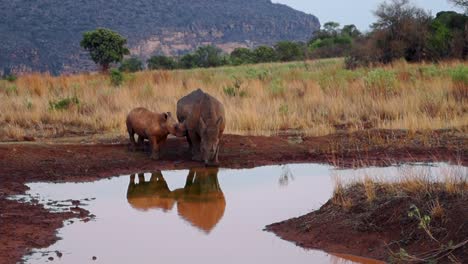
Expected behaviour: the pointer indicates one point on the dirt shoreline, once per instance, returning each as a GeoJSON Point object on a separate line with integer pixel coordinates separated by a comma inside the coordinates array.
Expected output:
{"type": "Point", "coordinates": [27, 226]}
{"type": "Point", "coordinates": [373, 229]}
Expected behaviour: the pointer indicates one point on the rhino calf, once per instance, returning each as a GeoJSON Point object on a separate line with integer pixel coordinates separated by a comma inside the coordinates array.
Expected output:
{"type": "Point", "coordinates": [152, 126]}
{"type": "Point", "coordinates": [204, 119]}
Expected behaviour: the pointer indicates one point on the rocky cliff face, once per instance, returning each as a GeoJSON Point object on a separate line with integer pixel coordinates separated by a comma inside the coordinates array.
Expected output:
{"type": "Point", "coordinates": [44, 35]}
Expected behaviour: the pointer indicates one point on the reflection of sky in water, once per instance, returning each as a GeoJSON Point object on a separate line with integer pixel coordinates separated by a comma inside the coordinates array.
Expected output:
{"type": "Point", "coordinates": [253, 198]}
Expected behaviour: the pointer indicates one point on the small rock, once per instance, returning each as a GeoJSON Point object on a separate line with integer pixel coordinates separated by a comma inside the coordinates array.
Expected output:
{"type": "Point", "coordinates": [59, 254]}
{"type": "Point", "coordinates": [51, 258]}
{"type": "Point", "coordinates": [94, 257]}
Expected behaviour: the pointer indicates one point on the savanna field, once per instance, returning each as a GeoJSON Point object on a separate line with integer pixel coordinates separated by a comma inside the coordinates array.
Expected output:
{"type": "Point", "coordinates": [313, 98]}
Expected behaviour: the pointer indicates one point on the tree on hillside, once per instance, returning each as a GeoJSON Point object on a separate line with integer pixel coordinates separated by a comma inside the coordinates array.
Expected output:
{"type": "Point", "coordinates": [105, 46]}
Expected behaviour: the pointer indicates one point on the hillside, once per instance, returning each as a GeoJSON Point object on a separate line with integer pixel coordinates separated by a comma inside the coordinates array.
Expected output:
{"type": "Point", "coordinates": [44, 35]}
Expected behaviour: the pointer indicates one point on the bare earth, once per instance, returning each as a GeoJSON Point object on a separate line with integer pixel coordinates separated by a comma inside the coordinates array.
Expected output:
{"type": "Point", "coordinates": [27, 226]}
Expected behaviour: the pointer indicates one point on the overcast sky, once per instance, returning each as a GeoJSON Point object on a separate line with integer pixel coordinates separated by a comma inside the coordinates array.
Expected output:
{"type": "Point", "coordinates": [358, 12]}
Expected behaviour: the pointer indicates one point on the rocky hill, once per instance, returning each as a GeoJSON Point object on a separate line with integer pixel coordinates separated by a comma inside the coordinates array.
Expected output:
{"type": "Point", "coordinates": [44, 35]}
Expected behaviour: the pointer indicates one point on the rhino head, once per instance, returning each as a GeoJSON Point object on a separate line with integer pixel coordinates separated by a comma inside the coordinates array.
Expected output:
{"type": "Point", "coordinates": [210, 140]}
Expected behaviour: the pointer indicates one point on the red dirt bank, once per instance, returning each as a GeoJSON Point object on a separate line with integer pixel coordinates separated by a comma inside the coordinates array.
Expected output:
{"type": "Point", "coordinates": [27, 226]}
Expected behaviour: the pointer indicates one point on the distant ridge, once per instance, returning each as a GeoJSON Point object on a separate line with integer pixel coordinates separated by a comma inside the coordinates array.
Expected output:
{"type": "Point", "coordinates": [44, 35]}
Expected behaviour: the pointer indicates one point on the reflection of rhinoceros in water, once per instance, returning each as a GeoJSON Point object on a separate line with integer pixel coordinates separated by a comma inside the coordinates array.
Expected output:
{"type": "Point", "coordinates": [201, 202]}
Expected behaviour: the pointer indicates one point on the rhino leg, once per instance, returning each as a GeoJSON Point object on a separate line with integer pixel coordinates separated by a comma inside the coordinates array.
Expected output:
{"type": "Point", "coordinates": [131, 136]}
{"type": "Point", "coordinates": [141, 143]}
{"type": "Point", "coordinates": [196, 154]}
{"type": "Point", "coordinates": [189, 143]}
{"type": "Point", "coordinates": [154, 148]}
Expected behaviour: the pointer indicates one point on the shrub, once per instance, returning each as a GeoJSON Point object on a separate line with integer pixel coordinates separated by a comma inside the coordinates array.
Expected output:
{"type": "Point", "coordinates": [131, 65]}
{"type": "Point", "coordinates": [264, 54]}
{"type": "Point", "coordinates": [460, 83]}
{"type": "Point", "coordinates": [63, 104]}
{"type": "Point", "coordinates": [284, 109]}
{"type": "Point", "coordinates": [209, 56]}
{"type": "Point", "coordinates": [276, 87]}
{"type": "Point", "coordinates": [11, 90]}
{"type": "Point", "coordinates": [381, 82]}
{"type": "Point", "coordinates": [161, 63]}
{"type": "Point", "coordinates": [235, 89]}
{"type": "Point", "coordinates": [11, 77]}
{"type": "Point", "coordinates": [289, 51]}
{"type": "Point", "coordinates": [242, 56]}
{"type": "Point", "coordinates": [116, 77]}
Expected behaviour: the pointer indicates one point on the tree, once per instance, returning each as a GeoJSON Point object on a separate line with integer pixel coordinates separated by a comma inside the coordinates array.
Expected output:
{"type": "Point", "coordinates": [332, 28]}
{"type": "Point", "coordinates": [350, 30]}
{"type": "Point", "coordinates": [131, 65]}
{"type": "Point", "coordinates": [242, 56]}
{"type": "Point", "coordinates": [460, 3]}
{"type": "Point", "coordinates": [209, 56]}
{"type": "Point", "coordinates": [401, 31]}
{"type": "Point", "coordinates": [105, 46]}
{"type": "Point", "coordinates": [289, 51]}
{"type": "Point", "coordinates": [188, 61]}
{"type": "Point", "coordinates": [161, 63]}
{"type": "Point", "coordinates": [264, 54]}
{"type": "Point", "coordinates": [449, 35]}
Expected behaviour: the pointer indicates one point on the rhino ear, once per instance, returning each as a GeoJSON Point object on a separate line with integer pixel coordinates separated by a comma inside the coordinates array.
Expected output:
{"type": "Point", "coordinates": [220, 120]}
{"type": "Point", "coordinates": [165, 116]}
{"type": "Point", "coordinates": [202, 124]}
{"type": "Point", "coordinates": [169, 114]}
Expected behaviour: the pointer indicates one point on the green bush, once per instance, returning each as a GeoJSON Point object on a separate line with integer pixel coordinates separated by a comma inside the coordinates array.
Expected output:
{"type": "Point", "coordinates": [163, 63]}
{"type": "Point", "coordinates": [11, 90]}
{"type": "Point", "coordinates": [276, 87]}
{"type": "Point", "coordinates": [235, 89]}
{"type": "Point", "coordinates": [63, 104]}
{"type": "Point", "coordinates": [242, 56]}
{"type": "Point", "coordinates": [429, 71]}
{"type": "Point", "coordinates": [289, 51]}
{"type": "Point", "coordinates": [381, 81]}
{"type": "Point", "coordinates": [264, 54]}
{"type": "Point", "coordinates": [116, 77]}
{"type": "Point", "coordinates": [284, 109]}
{"type": "Point", "coordinates": [11, 77]}
{"type": "Point", "coordinates": [460, 75]}
{"type": "Point", "coordinates": [131, 65]}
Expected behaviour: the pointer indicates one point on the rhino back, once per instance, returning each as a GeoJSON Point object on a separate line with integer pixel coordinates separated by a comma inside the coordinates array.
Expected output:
{"type": "Point", "coordinates": [196, 105]}
{"type": "Point", "coordinates": [188, 104]}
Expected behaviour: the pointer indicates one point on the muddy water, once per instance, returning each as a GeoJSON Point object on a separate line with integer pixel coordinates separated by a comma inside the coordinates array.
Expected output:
{"type": "Point", "coordinates": [198, 215]}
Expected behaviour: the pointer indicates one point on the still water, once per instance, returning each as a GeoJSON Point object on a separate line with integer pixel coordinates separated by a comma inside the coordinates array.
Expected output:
{"type": "Point", "coordinates": [197, 215]}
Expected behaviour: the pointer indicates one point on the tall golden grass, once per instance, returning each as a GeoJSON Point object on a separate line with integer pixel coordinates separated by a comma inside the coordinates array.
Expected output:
{"type": "Point", "coordinates": [314, 98]}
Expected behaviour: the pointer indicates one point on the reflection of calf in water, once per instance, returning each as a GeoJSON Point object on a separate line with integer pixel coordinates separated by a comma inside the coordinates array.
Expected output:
{"type": "Point", "coordinates": [201, 202]}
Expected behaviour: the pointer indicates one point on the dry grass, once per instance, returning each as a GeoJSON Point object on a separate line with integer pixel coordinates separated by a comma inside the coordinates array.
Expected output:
{"type": "Point", "coordinates": [339, 195]}
{"type": "Point", "coordinates": [315, 98]}
{"type": "Point", "coordinates": [417, 182]}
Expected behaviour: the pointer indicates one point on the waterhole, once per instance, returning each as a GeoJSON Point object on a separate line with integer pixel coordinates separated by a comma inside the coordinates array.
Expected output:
{"type": "Point", "coordinates": [196, 216]}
